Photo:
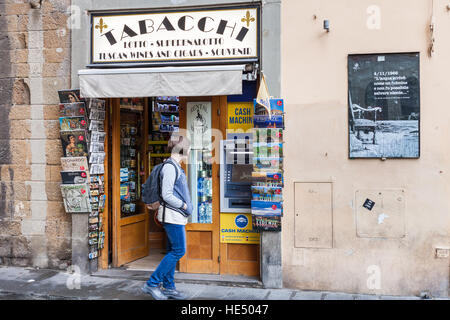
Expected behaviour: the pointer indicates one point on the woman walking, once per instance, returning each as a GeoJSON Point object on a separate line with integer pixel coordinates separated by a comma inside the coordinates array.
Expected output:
{"type": "Point", "coordinates": [173, 213]}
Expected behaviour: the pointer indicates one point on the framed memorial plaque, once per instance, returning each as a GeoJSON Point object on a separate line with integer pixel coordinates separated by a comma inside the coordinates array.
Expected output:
{"type": "Point", "coordinates": [384, 105]}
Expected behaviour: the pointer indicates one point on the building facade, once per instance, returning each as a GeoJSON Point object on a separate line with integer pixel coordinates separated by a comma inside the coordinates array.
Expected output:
{"type": "Point", "coordinates": [332, 237]}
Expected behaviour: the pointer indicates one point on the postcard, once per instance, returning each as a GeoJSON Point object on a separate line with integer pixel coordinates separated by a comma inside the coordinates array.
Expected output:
{"type": "Point", "coordinates": [96, 104]}
{"type": "Point", "coordinates": [97, 136]}
{"type": "Point", "coordinates": [124, 174]}
{"type": "Point", "coordinates": [267, 163]}
{"type": "Point", "coordinates": [74, 164]}
{"type": "Point", "coordinates": [72, 109]}
{"type": "Point", "coordinates": [72, 123]}
{"type": "Point", "coordinates": [97, 158]}
{"type": "Point", "coordinates": [97, 169]}
{"type": "Point", "coordinates": [264, 149]}
{"type": "Point", "coordinates": [276, 107]}
{"type": "Point", "coordinates": [96, 125]}
{"type": "Point", "coordinates": [74, 177]}
{"type": "Point", "coordinates": [124, 191]}
{"type": "Point", "coordinates": [93, 255]}
{"type": "Point", "coordinates": [267, 208]}
{"type": "Point", "coordinates": [97, 114]}
{"type": "Point", "coordinates": [264, 193]}
{"type": "Point", "coordinates": [70, 96]}
{"type": "Point", "coordinates": [74, 143]}
{"type": "Point", "coordinates": [264, 223]}
{"type": "Point", "coordinates": [275, 121]}
{"type": "Point", "coordinates": [76, 198]}
{"type": "Point", "coordinates": [268, 135]}
{"type": "Point", "coordinates": [267, 179]}
{"type": "Point", "coordinates": [97, 147]}
{"type": "Point", "coordinates": [93, 220]}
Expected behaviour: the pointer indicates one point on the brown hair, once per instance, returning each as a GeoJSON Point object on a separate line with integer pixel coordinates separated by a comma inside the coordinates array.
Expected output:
{"type": "Point", "coordinates": [174, 141]}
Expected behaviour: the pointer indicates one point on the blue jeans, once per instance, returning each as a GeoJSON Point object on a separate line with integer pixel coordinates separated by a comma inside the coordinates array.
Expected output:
{"type": "Point", "coordinates": [165, 271]}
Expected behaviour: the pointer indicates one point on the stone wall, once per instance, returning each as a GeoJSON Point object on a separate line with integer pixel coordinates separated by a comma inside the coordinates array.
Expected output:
{"type": "Point", "coordinates": [35, 64]}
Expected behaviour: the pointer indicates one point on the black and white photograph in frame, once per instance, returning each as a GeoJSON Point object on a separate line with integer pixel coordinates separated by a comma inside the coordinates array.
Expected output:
{"type": "Point", "coordinates": [384, 105]}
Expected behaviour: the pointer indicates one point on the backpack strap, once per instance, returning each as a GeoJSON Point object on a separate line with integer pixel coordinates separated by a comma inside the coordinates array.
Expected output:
{"type": "Point", "coordinates": [159, 181]}
{"type": "Point", "coordinates": [164, 213]}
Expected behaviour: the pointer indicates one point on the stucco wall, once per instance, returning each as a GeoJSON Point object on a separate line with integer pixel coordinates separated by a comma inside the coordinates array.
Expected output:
{"type": "Point", "coordinates": [314, 85]}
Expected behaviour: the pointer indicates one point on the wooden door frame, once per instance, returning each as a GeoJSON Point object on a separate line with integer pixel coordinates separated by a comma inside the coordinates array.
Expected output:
{"type": "Point", "coordinates": [104, 256]}
{"type": "Point", "coordinates": [115, 194]}
{"type": "Point", "coordinates": [218, 105]}
{"type": "Point", "coordinates": [115, 181]}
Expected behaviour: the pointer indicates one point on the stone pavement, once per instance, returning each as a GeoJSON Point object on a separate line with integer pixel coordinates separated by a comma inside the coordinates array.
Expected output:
{"type": "Point", "coordinates": [42, 284]}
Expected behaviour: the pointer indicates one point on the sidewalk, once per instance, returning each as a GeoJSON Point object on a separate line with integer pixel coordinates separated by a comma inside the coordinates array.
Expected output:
{"type": "Point", "coordinates": [42, 284]}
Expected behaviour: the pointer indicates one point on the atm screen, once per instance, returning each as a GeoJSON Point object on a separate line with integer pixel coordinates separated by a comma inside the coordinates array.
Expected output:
{"type": "Point", "coordinates": [242, 173]}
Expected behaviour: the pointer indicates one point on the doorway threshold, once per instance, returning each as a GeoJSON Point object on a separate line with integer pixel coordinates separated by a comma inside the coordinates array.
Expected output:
{"type": "Point", "coordinates": [205, 279]}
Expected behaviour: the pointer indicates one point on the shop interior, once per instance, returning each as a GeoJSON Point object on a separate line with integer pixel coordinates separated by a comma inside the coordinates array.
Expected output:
{"type": "Point", "coordinates": [136, 240]}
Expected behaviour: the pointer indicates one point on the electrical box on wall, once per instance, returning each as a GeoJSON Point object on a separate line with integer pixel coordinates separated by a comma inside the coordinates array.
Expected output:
{"type": "Point", "coordinates": [380, 213]}
{"type": "Point", "coordinates": [313, 215]}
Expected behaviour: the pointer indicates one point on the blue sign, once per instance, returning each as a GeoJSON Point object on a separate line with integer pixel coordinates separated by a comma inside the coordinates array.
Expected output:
{"type": "Point", "coordinates": [241, 221]}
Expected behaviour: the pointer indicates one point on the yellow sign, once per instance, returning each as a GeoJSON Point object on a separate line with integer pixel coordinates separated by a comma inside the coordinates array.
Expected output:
{"type": "Point", "coordinates": [237, 228]}
{"type": "Point", "coordinates": [240, 116]}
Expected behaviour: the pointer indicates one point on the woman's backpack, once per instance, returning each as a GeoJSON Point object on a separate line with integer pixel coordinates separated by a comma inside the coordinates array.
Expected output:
{"type": "Point", "coordinates": [151, 192]}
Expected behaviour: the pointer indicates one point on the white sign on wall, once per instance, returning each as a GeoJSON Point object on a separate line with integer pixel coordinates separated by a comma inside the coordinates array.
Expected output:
{"type": "Point", "coordinates": [195, 35]}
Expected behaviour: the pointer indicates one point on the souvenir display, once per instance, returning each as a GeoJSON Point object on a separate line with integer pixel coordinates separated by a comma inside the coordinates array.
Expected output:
{"type": "Point", "coordinates": [132, 156]}
{"type": "Point", "coordinates": [97, 114]}
{"type": "Point", "coordinates": [83, 164]}
{"type": "Point", "coordinates": [165, 120]}
{"type": "Point", "coordinates": [267, 176]}
{"type": "Point", "coordinates": [166, 115]}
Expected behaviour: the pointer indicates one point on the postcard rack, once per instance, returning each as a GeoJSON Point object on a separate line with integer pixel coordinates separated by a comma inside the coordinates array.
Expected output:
{"type": "Point", "coordinates": [267, 175]}
{"type": "Point", "coordinates": [83, 136]}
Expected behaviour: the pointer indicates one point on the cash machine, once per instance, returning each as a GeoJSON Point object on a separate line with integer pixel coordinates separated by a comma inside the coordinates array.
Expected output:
{"type": "Point", "coordinates": [236, 168]}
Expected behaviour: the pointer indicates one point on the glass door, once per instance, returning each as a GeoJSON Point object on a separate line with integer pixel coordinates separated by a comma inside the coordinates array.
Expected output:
{"type": "Point", "coordinates": [200, 161]}
{"type": "Point", "coordinates": [198, 116]}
